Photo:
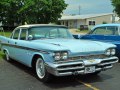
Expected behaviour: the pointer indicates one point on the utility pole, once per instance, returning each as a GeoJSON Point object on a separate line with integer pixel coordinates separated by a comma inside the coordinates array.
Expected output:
{"type": "Point", "coordinates": [113, 17]}
{"type": "Point", "coordinates": [79, 9]}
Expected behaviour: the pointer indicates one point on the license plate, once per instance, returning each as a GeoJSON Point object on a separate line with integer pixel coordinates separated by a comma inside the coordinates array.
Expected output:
{"type": "Point", "coordinates": [90, 69]}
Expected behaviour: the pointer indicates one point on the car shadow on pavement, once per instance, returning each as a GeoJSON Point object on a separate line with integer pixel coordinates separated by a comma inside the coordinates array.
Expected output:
{"type": "Point", "coordinates": [22, 67]}
{"type": "Point", "coordinates": [66, 81]}
{"type": "Point", "coordinates": [74, 81]}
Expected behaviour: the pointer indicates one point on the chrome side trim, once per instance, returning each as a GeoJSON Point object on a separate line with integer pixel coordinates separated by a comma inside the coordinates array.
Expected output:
{"type": "Point", "coordinates": [26, 48]}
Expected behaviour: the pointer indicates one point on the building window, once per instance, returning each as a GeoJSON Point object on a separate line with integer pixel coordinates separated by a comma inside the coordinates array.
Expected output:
{"type": "Point", "coordinates": [91, 22]}
{"type": "Point", "coordinates": [66, 23]}
{"type": "Point", "coordinates": [63, 23]}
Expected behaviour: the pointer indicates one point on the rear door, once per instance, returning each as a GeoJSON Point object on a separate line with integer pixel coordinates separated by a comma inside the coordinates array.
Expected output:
{"type": "Point", "coordinates": [25, 54]}
{"type": "Point", "coordinates": [22, 53]}
{"type": "Point", "coordinates": [13, 43]}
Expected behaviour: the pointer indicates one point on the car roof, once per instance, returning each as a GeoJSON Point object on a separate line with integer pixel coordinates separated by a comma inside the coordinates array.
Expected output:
{"type": "Point", "coordinates": [111, 24]}
{"type": "Point", "coordinates": [37, 25]}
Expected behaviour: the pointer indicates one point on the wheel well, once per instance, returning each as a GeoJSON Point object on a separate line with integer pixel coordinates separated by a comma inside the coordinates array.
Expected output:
{"type": "Point", "coordinates": [4, 51]}
{"type": "Point", "coordinates": [34, 59]}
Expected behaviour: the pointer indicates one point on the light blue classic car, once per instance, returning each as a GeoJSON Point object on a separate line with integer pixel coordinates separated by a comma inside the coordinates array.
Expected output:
{"type": "Point", "coordinates": [52, 50]}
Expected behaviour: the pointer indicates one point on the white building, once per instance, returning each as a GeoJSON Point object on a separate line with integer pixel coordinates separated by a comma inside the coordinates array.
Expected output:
{"type": "Point", "coordinates": [74, 21]}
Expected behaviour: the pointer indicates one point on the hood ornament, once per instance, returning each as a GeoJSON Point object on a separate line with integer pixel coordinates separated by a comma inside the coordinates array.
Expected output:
{"type": "Point", "coordinates": [55, 44]}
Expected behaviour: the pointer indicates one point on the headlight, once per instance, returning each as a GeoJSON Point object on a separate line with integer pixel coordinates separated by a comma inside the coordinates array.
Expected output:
{"type": "Point", "coordinates": [110, 52]}
{"type": "Point", "coordinates": [113, 51]}
{"type": "Point", "coordinates": [60, 55]}
{"type": "Point", "coordinates": [57, 56]}
{"type": "Point", "coordinates": [64, 55]}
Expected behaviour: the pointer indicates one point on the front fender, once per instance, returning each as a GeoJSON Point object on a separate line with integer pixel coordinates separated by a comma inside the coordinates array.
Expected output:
{"type": "Point", "coordinates": [46, 57]}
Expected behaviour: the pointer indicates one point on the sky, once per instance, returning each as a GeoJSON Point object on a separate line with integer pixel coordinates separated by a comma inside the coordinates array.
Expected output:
{"type": "Point", "coordinates": [88, 6]}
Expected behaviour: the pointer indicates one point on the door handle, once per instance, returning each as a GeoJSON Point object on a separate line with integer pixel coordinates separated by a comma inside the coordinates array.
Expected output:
{"type": "Point", "coordinates": [15, 42]}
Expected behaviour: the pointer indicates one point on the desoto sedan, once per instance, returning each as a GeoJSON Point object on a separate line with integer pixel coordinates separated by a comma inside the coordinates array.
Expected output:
{"type": "Point", "coordinates": [52, 50]}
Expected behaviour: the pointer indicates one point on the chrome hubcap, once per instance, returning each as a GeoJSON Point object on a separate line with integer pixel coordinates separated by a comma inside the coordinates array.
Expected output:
{"type": "Point", "coordinates": [40, 69]}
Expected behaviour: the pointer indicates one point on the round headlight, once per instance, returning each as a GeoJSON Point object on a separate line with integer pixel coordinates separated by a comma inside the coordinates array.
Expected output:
{"type": "Point", "coordinates": [57, 56]}
{"type": "Point", "coordinates": [108, 52]}
{"type": "Point", "coordinates": [64, 55]}
{"type": "Point", "coordinates": [113, 51]}
{"type": "Point", "coordinates": [60, 55]}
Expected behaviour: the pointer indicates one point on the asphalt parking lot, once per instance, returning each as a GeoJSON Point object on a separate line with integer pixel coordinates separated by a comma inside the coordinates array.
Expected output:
{"type": "Point", "coordinates": [15, 76]}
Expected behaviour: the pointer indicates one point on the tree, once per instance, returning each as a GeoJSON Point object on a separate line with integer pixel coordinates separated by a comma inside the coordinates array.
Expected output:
{"type": "Point", "coordinates": [8, 12]}
{"type": "Point", "coordinates": [116, 4]}
{"type": "Point", "coordinates": [30, 11]}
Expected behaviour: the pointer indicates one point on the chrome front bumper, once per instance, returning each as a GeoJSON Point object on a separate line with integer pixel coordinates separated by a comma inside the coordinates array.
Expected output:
{"type": "Point", "coordinates": [78, 66]}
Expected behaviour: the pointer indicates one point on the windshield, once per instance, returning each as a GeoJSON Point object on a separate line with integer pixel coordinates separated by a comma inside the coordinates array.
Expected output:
{"type": "Point", "coordinates": [49, 32]}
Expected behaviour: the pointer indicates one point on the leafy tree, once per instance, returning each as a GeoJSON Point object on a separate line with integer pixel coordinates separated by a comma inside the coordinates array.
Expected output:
{"type": "Point", "coordinates": [30, 11]}
{"type": "Point", "coordinates": [8, 12]}
{"type": "Point", "coordinates": [116, 4]}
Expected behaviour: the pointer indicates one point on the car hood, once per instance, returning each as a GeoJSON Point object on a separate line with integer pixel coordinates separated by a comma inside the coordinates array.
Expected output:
{"type": "Point", "coordinates": [76, 45]}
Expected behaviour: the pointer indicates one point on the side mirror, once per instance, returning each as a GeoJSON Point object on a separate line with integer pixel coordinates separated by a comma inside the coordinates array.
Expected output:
{"type": "Point", "coordinates": [76, 36]}
{"type": "Point", "coordinates": [30, 37]}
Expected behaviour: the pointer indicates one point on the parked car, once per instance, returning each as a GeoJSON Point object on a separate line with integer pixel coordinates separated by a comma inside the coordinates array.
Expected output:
{"type": "Point", "coordinates": [52, 50]}
{"type": "Point", "coordinates": [109, 33]}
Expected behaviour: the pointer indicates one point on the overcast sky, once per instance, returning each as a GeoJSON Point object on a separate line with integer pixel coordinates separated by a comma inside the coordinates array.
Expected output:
{"type": "Point", "coordinates": [88, 6]}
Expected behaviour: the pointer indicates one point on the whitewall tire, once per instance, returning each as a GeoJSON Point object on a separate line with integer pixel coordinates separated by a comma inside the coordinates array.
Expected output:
{"type": "Point", "coordinates": [41, 71]}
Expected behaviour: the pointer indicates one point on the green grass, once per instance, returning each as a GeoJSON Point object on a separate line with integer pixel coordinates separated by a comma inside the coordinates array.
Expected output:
{"type": "Point", "coordinates": [7, 34]}
{"type": "Point", "coordinates": [1, 55]}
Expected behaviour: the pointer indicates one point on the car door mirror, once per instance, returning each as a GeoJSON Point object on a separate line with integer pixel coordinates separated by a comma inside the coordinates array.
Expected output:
{"type": "Point", "coordinates": [76, 36]}
{"type": "Point", "coordinates": [30, 37]}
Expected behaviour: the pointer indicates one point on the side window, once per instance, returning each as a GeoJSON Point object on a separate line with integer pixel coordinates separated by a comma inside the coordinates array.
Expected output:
{"type": "Point", "coordinates": [99, 31]}
{"type": "Point", "coordinates": [16, 34]}
{"type": "Point", "coordinates": [23, 34]}
{"type": "Point", "coordinates": [112, 30]}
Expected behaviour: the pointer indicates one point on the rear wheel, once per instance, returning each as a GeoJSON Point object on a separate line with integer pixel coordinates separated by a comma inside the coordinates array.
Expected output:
{"type": "Point", "coordinates": [41, 71]}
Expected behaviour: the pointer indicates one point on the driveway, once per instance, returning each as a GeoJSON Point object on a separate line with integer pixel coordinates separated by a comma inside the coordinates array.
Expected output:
{"type": "Point", "coordinates": [15, 76]}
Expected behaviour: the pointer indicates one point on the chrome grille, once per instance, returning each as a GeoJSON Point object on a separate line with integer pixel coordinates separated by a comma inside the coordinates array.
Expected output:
{"type": "Point", "coordinates": [87, 57]}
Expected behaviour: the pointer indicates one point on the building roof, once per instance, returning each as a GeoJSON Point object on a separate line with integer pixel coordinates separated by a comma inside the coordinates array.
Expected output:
{"type": "Point", "coordinates": [75, 17]}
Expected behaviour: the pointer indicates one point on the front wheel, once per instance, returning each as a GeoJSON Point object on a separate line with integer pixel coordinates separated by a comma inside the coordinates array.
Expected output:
{"type": "Point", "coordinates": [41, 71]}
